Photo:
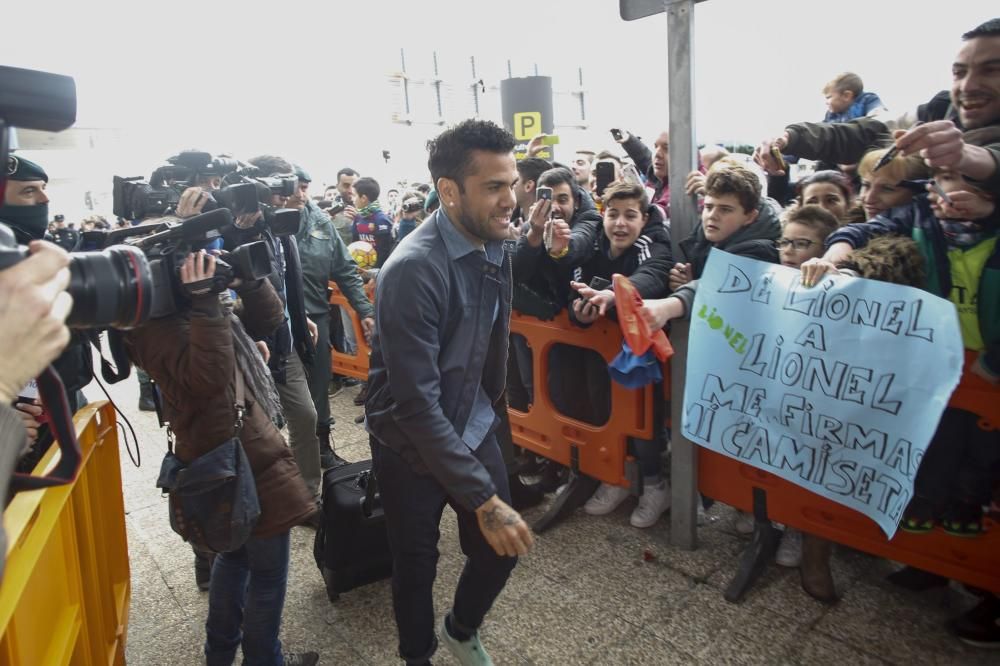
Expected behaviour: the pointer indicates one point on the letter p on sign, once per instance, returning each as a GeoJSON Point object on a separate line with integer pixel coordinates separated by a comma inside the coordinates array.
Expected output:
{"type": "Point", "coordinates": [527, 124]}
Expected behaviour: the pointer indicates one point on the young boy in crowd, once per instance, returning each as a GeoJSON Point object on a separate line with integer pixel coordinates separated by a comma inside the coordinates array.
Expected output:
{"type": "Point", "coordinates": [803, 234]}
{"type": "Point", "coordinates": [634, 243]}
{"type": "Point", "coordinates": [371, 224]}
{"type": "Point", "coordinates": [735, 218]}
{"type": "Point", "coordinates": [846, 99]}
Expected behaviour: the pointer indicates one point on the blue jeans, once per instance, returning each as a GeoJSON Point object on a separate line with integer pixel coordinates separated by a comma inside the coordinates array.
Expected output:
{"type": "Point", "coordinates": [413, 504]}
{"type": "Point", "coordinates": [245, 603]}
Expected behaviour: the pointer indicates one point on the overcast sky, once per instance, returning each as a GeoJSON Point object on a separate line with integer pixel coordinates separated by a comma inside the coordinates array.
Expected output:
{"type": "Point", "coordinates": [309, 80]}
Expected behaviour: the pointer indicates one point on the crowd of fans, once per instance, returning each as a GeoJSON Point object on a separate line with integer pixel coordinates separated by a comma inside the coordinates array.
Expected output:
{"type": "Point", "coordinates": [909, 200]}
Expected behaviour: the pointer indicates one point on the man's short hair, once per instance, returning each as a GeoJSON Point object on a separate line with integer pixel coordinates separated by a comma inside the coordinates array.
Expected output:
{"type": "Point", "coordinates": [608, 155]}
{"type": "Point", "coordinates": [625, 190]}
{"type": "Point", "coordinates": [450, 153]}
{"type": "Point", "coordinates": [531, 168]}
{"type": "Point", "coordinates": [814, 217]}
{"type": "Point", "coordinates": [848, 81]}
{"type": "Point", "coordinates": [729, 178]}
{"type": "Point", "coordinates": [346, 171]}
{"type": "Point", "coordinates": [588, 153]}
{"type": "Point", "coordinates": [367, 187]}
{"type": "Point", "coordinates": [272, 164]}
{"type": "Point", "coordinates": [557, 176]}
{"type": "Point", "coordinates": [989, 29]}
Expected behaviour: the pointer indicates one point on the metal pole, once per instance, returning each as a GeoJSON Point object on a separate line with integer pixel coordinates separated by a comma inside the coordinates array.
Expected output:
{"type": "Point", "coordinates": [583, 108]}
{"type": "Point", "coordinates": [510, 72]}
{"type": "Point", "coordinates": [683, 212]}
{"type": "Point", "coordinates": [437, 87]}
{"type": "Point", "coordinates": [406, 83]}
{"type": "Point", "coordinates": [475, 88]}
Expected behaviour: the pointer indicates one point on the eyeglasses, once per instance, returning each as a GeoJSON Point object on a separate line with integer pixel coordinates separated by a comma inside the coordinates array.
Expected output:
{"type": "Point", "coordinates": [797, 243]}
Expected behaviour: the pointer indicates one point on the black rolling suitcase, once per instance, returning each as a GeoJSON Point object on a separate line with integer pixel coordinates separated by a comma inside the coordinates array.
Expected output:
{"type": "Point", "coordinates": [352, 545]}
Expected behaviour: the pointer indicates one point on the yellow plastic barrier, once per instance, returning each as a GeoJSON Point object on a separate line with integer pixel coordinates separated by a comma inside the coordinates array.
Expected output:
{"type": "Point", "coordinates": [66, 589]}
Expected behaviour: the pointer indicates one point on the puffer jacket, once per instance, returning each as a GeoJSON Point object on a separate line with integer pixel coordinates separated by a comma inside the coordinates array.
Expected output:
{"type": "Point", "coordinates": [190, 355]}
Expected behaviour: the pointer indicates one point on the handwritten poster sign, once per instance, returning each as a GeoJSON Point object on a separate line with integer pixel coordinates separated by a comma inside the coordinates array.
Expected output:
{"type": "Point", "coordinates": [837, 388]}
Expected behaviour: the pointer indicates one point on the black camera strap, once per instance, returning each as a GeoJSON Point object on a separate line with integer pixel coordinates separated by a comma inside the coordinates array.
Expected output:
{"type": "Point", "coordinates": [116, 345]}
{"type": "Point", "coordinates": [53, 395]}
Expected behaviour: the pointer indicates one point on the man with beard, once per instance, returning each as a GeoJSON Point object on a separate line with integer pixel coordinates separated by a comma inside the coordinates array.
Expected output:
{"type": "Point", "coordinates": [575, 224]}
{"type": "Point", "coordinates": [959, 129]}
{"type": "Point", "coordinates": [437, 372]}
{"type": "Point", "coordinates": [654, 165]}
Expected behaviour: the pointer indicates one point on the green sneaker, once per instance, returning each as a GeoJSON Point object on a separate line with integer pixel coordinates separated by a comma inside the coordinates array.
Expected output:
{"type": "Point", "coordinates": [468, 653]}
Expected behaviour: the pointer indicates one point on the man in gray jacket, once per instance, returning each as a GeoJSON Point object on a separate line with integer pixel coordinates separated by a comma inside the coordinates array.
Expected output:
{"type": "Point", "coordinates": [437, 371]}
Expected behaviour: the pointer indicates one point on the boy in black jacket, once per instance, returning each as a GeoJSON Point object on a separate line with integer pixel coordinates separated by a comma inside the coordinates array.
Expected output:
{"type": "Point", "coordinates": [634, 243]}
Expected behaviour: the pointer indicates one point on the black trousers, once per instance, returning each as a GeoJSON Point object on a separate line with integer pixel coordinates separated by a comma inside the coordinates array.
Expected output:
{"type": "Point", "coordinates": [413, 505]}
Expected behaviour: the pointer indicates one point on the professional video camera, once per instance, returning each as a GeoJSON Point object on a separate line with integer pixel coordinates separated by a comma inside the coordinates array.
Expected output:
{"type": "Point", "coordinates": [165, 246]}
{"type": "Point", "coordinates": [136, 199]}
{"type": "Point", "coordinates": [412, 205]}
{"type": "Point", "coordinates": [243, 182]}
{"type": "Point", "coordinates": [244, 192]}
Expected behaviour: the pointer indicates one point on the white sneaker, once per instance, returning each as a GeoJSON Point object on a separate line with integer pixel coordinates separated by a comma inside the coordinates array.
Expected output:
{"type": "Point", "coordinates": [743, 523]}
{"type": "Point", "coordinates": [468, 653]}
{"type": "Point", "coordinates": [652, 503]}
{"type": "Point", "coordinates": [605, 500]}
{"type": "Point", "coordinates": [790, 551]}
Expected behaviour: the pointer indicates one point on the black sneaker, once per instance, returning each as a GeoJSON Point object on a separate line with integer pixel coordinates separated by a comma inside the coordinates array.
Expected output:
{"type": "Point", "coordinates": [301, 658]}
{"type": "Point", "coordinates": [980, 627]}
{"type": "Point", "coordinates": [362, 396]}
{"type": "Point", "coordinates": [350, 381]}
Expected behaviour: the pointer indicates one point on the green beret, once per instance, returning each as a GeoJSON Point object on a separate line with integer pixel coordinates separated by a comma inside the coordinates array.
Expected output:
{"type": "Point", "coordinates": [431, 201]}
{"type": "Point", "coordinates": [19, 168]}
{"type": "Point", "coordinates": [302, 174]}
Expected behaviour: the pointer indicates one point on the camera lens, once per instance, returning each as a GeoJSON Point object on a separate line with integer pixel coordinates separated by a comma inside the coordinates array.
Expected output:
{"type": "Point", "coordinates": [110, 288]}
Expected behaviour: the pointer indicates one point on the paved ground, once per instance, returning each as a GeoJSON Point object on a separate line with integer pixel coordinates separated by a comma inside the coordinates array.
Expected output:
{"type": "Point", "coordinates": [585, 595]}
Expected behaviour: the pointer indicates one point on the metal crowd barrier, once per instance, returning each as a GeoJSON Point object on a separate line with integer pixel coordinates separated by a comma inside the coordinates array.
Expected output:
{"type": "Point", "coordinates": [66, 588]}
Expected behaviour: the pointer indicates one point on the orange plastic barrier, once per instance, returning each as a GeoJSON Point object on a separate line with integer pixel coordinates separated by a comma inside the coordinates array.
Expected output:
{"type": "Point", "coordinates": [598, 451]}
{"type": "Point", "coordinates": [975, 561]}
{"type": "Point", "coordinates": [66, 589]}
{"type": "Point", "coordinates": [351, 365]}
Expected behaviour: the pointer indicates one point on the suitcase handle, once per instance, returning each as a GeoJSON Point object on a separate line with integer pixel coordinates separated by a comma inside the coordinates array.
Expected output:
{"type": "Point", "coordinates": [368, 502]}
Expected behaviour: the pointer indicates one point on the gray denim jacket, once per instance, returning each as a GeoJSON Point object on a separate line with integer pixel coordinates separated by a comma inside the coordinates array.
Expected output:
{"type": "Point", "coordinates": [439, 335]}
